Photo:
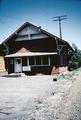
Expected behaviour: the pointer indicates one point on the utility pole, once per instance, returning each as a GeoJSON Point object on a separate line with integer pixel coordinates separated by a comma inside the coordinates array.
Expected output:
{"type": "Point", "coordinates": [59, 19]}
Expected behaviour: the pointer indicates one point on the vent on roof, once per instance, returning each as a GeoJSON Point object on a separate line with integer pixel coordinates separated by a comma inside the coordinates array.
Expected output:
{"type": "Point", "coordinates": [39, 28]}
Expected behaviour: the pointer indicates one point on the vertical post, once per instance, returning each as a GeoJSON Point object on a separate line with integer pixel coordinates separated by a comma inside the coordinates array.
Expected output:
{"type": "Point", "coordinates": [35, 60]}
{"type": "Point", "coordinates": [59, 19]}
{"type": "Point", "coordinates": [60, 28]}
{"type": "Point", "coordinates": [57, 45]}
{"type": "Point", "coordinates": [41, 60]}
{"type": "Point", "coordinates": [27, 61]}
{"type": "Point", "coordinates": [49, 59]}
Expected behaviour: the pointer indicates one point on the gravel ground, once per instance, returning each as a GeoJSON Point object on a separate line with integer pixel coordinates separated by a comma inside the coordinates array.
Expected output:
{"type": "Point", "coordinates": [37, 97]}
{"type": "Point", "coordinates": [72, 108]}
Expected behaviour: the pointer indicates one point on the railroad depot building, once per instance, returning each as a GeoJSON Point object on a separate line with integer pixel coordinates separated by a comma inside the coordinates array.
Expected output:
{"type": "Point", "coordinates": [32, 50]}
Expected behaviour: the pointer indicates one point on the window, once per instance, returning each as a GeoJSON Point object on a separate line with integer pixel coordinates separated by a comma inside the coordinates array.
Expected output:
{"type": "Point", "coordinates": [52, 60]}
{"type": "Point", "coordinates": [18, 61]}
{"type": "Point", "coordinates": [11, 61]}
{"type": "Point", "coordinates": [24, 61]}
{"type": "Point", "coordinates": [38, 60]}
{"type": "Point", "coordinates": [31, 61]}
{"type": "Point", "coordinates": [45, 60]}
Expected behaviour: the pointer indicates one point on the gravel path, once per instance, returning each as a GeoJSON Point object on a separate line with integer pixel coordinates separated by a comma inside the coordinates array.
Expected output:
{"type": "Point", "coordinates": [72, 108]}
{"type": "Point", "coordinates": [40, 98]}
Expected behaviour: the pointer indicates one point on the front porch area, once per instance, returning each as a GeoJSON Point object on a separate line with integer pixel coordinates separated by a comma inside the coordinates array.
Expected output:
{"type": "Point", "coordinates": [31, 64]}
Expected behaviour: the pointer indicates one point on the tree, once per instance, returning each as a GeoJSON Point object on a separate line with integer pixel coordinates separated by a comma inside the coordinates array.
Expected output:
{"type": "Point", "coordinates": [75, 60]}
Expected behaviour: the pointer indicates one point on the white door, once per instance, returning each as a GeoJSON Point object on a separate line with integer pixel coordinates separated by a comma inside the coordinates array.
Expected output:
{"type": "Point", "coordinates": [18, 65]}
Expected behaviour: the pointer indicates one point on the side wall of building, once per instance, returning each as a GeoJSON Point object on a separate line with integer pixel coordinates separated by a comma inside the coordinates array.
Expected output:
{"type": "Point", "coordinates": [2, 64]}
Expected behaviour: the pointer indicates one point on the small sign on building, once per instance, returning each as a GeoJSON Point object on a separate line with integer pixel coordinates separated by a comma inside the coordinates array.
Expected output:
{"type": "Point", "coordinates": [26, 68]}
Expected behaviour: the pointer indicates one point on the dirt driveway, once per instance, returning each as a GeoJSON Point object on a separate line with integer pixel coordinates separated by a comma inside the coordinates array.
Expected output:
{"type": "Point", "coordinates": [33, 97]}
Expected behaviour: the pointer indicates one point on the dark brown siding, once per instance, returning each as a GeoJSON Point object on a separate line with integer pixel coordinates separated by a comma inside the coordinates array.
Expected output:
{"type": "Point", "coordinates": [41, 45]}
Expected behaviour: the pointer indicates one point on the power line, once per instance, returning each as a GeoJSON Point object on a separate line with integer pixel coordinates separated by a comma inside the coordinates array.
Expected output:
{"type": "Point", "coordinates": [59, 19]}
{"type": "Point", "coordinates": [2, 22]}
{"type": "Point", "coordinates": [13, 17]}
{"type": "Point", "coordinates": [7, 25]}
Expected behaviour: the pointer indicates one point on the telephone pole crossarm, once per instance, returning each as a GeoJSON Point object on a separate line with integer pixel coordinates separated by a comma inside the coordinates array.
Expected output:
{"type": "Point", "coordinates": [59, 19]}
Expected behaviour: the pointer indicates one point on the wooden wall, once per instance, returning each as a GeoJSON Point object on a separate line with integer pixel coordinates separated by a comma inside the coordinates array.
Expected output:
{"type": "Point", "coordinates": [2, 64]}
{"type": "Point", "coordinates": [41, 45]}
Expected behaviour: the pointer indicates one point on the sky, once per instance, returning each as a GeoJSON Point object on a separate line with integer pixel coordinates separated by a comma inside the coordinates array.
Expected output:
{"type": "Point", "coordinates": [13, 13]}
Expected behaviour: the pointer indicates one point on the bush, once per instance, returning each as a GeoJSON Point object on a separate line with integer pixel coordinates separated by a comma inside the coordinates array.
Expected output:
{"type": "Point", "coordinates": [72, 65]}
{"type": "Point", "coordinates": [75, 60]}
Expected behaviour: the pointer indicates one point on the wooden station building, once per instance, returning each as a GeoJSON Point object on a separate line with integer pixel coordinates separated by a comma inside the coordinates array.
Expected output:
{"type": "Point", "coordinates": [31, 50]}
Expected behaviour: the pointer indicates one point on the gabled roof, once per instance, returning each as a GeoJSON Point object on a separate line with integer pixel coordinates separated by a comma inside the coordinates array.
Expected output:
{"type": "Point", "coordinates": [43, 31]}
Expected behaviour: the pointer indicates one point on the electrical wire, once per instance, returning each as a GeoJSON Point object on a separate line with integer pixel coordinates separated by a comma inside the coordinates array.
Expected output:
{"type": "Point", "coordinates": [13, 17]}
{"type": "Point", "coordinates": [7, 25]}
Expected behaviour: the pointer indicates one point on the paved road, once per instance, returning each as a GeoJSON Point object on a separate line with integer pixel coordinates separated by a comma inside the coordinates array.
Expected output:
{"type": "Point", "coordinates": [72, 110]}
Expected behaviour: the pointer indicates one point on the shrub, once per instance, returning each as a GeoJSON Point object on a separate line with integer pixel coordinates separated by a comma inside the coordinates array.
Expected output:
{"type": "Point", "coordinates": [75, 60]}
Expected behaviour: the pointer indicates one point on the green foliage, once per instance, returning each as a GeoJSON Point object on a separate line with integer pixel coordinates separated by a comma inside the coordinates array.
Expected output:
{"type": "Point", "coordinates": [75, 60]}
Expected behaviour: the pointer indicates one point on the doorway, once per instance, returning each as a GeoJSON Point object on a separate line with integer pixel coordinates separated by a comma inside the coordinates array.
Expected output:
{"type": "Point", "coordinates": [18, 65]}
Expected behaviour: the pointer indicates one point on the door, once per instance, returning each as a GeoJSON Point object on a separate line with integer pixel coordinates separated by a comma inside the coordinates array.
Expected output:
{"type": "Point", "coordinates": [18, 65]}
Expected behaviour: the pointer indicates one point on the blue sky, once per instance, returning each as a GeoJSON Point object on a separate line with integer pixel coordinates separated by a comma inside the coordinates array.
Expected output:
{"type": "Point", "coordinates": [13, 13]}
